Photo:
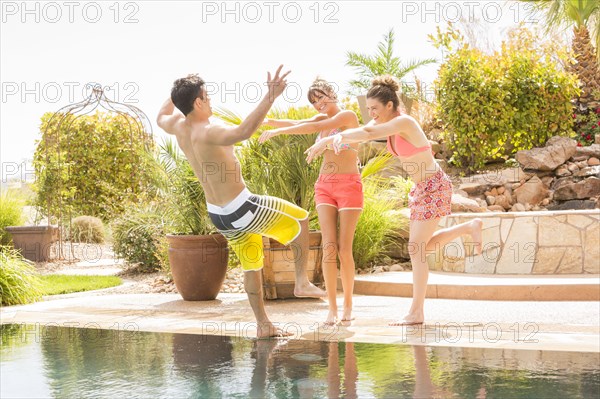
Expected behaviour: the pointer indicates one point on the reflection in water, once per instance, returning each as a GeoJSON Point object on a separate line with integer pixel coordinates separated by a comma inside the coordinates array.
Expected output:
{"type": "Point", "coordinates": [62, 362]}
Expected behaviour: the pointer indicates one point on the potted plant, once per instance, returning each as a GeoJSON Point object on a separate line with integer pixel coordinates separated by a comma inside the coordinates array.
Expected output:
{"type": "Point", "coordinates": [198, 255]}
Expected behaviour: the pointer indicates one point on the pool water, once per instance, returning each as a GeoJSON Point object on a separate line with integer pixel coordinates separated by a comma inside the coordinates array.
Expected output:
{"type": "Point", "coordinates": [50, 361]}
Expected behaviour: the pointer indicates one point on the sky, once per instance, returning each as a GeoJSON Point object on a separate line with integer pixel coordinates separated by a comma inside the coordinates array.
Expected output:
{"type": "Point", "coordinates": [50, 50]}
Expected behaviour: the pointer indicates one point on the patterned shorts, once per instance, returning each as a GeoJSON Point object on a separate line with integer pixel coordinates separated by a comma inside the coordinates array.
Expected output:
{"type": "Point", "coordinates": [430, 198]}
{"type": "Point", "coordinates": [246, 219]}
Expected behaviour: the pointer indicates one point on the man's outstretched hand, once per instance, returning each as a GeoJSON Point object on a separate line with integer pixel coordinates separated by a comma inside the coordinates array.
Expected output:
{"type": "Point", "coordinates": [276, 84]}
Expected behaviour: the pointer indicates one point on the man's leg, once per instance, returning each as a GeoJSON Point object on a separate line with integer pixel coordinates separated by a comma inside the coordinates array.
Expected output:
{"type": "Point", "coordinates": [303, 287]}
{"type": "Point", "coordinates": [253, 287]}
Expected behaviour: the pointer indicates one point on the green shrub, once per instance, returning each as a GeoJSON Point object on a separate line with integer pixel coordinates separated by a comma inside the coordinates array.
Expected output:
{"type": "Point", "coordinates": [11, 214]}
{"type": "Point", "coordinates": [587, 125]}
{"type": "Point", "coordinates": [87, 229]}
{"type": "Point", "coordinates": [494, 105]}
{"type": "Point", "coordinates": [19, 282]}
{"type": "Point", "coordinates": [138, 237]}
{"type": "Point", "coordinates": [379, 220]}
{"type": "Point", "coordinates": [91, 164]}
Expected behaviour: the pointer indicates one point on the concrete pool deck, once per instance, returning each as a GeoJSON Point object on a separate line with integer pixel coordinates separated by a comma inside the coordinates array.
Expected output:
{"type": "Point", "coordinates": [556, 326]}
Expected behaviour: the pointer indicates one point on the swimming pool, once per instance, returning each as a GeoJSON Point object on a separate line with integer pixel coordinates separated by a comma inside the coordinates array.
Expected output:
{"type": "Point", "coordinates": [51, 361]}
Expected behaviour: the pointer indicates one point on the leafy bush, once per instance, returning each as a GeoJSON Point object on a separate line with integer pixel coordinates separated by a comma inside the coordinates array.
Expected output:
{"type": "Point", "coordinates": [379, 220]}
{"type": "Point", "coordinates": [138, 237]}
{"type": "Point", "coordinates": [587, 125]}
{"type": "Point", "coordinates": [494, 105]}
{"type": "Point", "coordinates": [87, 229]}
{"type": "Point", "coordinates": [91, 164]}
{"type": "Point", "coordinates": [19, 282]}
{"type": "Point", "coordinates": [11, 214]}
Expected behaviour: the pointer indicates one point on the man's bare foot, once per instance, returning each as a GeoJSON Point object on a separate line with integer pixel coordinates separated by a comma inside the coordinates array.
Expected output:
{"type": "Point", "coordinates": [268, 330]}
{"type": "Point", "coordinates": [309, 291]}
{"type": "Point", "coordinates": [331, 318]}
{"type": "Point", "coordinates": [408, 320]}
{"type": "Point", "coordinates": [477, 225]}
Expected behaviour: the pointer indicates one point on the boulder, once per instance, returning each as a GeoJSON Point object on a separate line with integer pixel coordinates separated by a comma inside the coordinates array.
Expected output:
{"type": "Point", "coordinates": [590, 151]}
{"type": "Point", "coordinates": [547, 180]}
{"type": "Point", "coordinates": [496, 208]}
{"type": "Point", "coordinates": [462, 204]}
{"type": "Point", "coordinates": [587, 188]}
{"type": "Point", "coordinates": [593, 161]}
{"type": "Point", "coordinates": [532, 192]}
{"type": "Point", "coordinates": [503, 201]}
{"type": "Point", "coordinates": [555, 153]}
{"type": "Point", "coordinates": [518, 208]}
{"type": "Point", "coordinates": [573, 204]}
{"type": "Point", "coordinates": [562, 171]}
{"type": "Point", "coordinates": [588, 171]}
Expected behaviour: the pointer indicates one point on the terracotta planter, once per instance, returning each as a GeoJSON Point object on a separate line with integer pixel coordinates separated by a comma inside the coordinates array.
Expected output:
{"type": "Point", "coordinates": [279, 270]}
{"type": "Point", "coordinates": [34, 242]}
{"type": "Point", "coordinates": [198, 264]}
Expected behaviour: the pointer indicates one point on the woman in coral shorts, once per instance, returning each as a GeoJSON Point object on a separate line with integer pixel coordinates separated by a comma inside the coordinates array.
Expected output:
{"type": "Point", "coordinates": [338, 191]}
{"type": "Point", "coordinates": [429, 199]}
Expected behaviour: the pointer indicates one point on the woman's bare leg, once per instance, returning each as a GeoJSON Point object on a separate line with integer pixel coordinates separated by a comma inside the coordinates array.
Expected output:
{"type": "Point", "coordinates": [348, 221]}
{"type": "Point", "coordinates": [328, 221]}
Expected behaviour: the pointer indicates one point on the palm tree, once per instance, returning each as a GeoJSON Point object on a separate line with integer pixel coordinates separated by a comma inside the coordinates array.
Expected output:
{"type": "Point", "coordinates": [383, 62]}
{"type": "Point", "coordinates": [584, 17]}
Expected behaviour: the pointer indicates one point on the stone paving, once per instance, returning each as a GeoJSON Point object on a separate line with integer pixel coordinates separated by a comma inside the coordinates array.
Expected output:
{"type": "Point", "coordinates": [559, 326]}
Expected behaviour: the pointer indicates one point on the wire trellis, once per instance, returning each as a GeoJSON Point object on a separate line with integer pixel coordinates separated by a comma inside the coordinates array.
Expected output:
{"type": "Point", "coordinates": [62, 120]}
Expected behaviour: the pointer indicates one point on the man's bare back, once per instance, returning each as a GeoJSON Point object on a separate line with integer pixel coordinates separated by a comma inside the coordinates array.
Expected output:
{"type": "Point", "coordinates": [216, 166]}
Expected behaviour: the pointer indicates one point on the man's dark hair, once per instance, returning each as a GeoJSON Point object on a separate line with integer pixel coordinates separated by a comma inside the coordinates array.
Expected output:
{"type": "Point", "coordinates": [185, 91]}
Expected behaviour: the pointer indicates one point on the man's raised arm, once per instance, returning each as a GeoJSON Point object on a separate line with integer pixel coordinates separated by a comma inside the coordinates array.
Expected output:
{"type": "Point", "coordinates": [168, 117]}
{"type": "Point", "coordinates": [246, 129]}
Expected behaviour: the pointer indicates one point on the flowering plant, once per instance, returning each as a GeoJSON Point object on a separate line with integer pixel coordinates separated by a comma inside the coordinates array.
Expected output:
{"type": "Point", "coordinates": [586, 126]}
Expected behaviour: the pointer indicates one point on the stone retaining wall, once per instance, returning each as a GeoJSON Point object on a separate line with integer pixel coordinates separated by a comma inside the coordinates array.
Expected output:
{"type": "Point", "coordinates": [548, 242]}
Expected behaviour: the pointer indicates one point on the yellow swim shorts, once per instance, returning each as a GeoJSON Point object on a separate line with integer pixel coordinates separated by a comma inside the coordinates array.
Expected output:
{"type": "Point", "coordinates": [246, 219]}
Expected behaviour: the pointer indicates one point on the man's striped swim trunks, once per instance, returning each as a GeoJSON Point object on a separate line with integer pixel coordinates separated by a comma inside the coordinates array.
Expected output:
{"type": "Point", "coordinates": [246, 219]}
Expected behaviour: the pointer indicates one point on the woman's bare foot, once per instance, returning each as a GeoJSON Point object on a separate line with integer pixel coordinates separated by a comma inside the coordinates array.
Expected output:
{"type": "Point", "coordinates": [331, 318]}
{"type": "Point", "coordinates": [347, 315]}
{"type": "Point", "coordinates": [476, 227]}
{"type": "Point", "coordinates": [309, 290]}
{"type": "Point", "coordinates": [409, 320]}
{"type": "Point", "coordinates": [268, 330]}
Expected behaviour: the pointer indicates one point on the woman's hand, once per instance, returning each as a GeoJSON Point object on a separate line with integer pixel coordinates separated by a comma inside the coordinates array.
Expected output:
{"type": "Point", "coordinates": [318, 148]}
{"type": "Point", "coordinates": [337, 143]}
{"type": "Point", "coordinates": [268, 135]}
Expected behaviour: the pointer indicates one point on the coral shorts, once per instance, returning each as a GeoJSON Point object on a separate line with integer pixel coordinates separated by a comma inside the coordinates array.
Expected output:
{"type": "Point", "coordinates": [430, 198]}
{"type": "Point", "coordinates": [343, 191]}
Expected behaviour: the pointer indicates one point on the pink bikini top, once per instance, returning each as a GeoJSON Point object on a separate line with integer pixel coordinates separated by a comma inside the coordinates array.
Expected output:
{"type": "Point", "coordinates": [403, 147]}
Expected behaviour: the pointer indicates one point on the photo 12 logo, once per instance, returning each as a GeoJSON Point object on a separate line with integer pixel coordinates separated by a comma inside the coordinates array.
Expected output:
{"type": "Point", "coordinates": [53, 12]}
{"type": "Point", "coordinates": [471, 11]}
{"type": "Point", "coordinates": [71, 92]}
{"type": "Point", "coordinates": [270, 11]}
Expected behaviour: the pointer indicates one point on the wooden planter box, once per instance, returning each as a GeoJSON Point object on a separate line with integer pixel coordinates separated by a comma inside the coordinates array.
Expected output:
{"type": "Point", "coordinates": [34, 242]}
{"type": "Point", "coordinates": [279, 274]}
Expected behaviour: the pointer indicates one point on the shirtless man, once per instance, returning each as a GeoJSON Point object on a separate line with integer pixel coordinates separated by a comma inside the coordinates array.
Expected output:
{"type": "Point", "coordinates": [238, 214]}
